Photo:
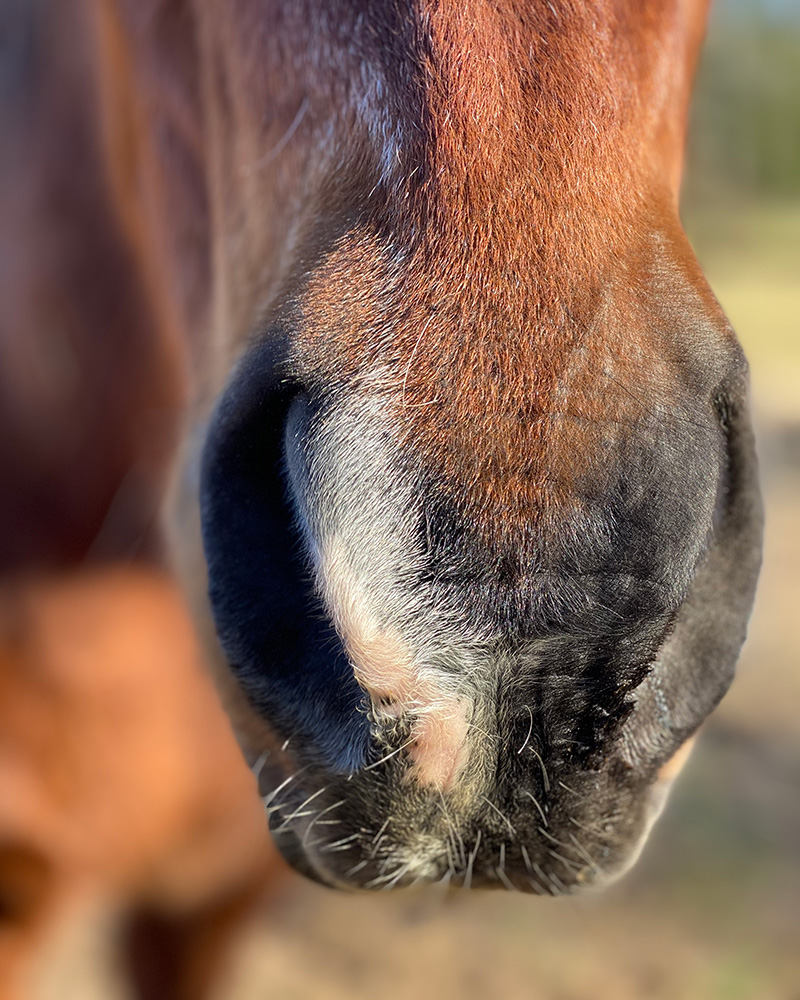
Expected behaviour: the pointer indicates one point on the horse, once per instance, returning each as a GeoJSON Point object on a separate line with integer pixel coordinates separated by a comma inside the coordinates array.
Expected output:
{"type": "Point", "coordinates": [374, 328]}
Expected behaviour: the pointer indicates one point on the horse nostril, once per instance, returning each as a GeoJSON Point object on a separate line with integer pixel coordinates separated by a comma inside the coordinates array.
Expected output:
{"type": "Point", "coordinates": [286, 654]}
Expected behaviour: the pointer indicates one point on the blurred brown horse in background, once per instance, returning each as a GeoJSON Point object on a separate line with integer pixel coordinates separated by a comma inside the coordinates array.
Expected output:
{"type": "Point", "coordinates": [474, 207]}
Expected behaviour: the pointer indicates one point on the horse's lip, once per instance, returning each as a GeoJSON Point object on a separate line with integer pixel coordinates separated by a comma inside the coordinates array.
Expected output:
{"type": "Point", "coordinates": [290, 845]}
{"type": "Point", "coordinates": [289, 842]}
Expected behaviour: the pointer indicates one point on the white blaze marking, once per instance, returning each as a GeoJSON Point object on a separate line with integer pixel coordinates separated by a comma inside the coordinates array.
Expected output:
{"type": "Point", "coordinates": [385, 668]}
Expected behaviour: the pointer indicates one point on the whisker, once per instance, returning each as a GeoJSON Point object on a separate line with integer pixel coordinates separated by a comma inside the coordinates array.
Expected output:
{"type": "Point", "coordinates": [585, 854]}
{"type": "Point", "coordinates": [569, 865]}
{"type": "Point", "coordinates": [388, 756]}
{"type": "Point", "coordinates": [546, 879]}
{"type": "Point", "coordinates": [299, 811]}
{"type": "Point", "coordinates": [397, 876]}
{"type": "Point", "coordinates": [382, 828]}
{"type": "Point", "coordinates": [467, 884]}
{"type": "Point", "coordinates": [546, 780]}
{"type": "Point", "coordinates": [586, 829]}
{"type": "Point", "coordinates": [425, 326]}
{"type": "Point", "coordinates": [258, 765]}
{"type": "Point", "coordinates": [536, 802]}
{"type": "Point", "coordinates": [281, 144]}
{"type": "Point", "coordinates": [318, 821]}
{"type": "Point", "coordinates": [526, 858]}
{"type": "Point", "coordinates": [453, 831]}
{"type": "Point", "coordinates": [505, 880]}
{"type": "Point", "coordinates": [444, 882]}
{"type": "Point", "coordinates": [377, 846]}
{"type": "Point", "coordinates": [553, 840]}
{"type": "Point", "coordinates": [530, 730]}
{"type": "Point", "coordinates": [501, 814]}
{"type": "Point", "coordinates": [270, 798]}
{"type": "Point", "coordinates": [483, 732]}
{"type": "Point", "coordinates": [334, 850]}
{"type": "Point", "coordinates": [537, 887]}
{"type": "Point", "coordinates": [384, 878]}
{"type": "Point", "coordinates": [295, 815]}
{"type": "Point", "coordinates": [339, 845]}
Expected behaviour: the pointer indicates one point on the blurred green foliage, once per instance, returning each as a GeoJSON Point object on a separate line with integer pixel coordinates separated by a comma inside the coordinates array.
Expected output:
{"type": "Point", "coordinates": [745, 121]}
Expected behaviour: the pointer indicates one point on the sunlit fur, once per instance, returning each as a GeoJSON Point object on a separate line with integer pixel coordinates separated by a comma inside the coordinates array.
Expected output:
{"type": "Point", "coordinates": [515, 467]}
{"type": "Point", "coordinates": [469, 430]}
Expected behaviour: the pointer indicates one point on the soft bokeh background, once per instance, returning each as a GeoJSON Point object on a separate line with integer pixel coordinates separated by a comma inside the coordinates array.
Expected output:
{"type": "Point", "coordinates": [712, 912]}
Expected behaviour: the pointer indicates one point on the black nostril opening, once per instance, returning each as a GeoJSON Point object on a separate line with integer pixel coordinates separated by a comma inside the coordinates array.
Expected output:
{"type": "Point", "coordinates": [281, 647]}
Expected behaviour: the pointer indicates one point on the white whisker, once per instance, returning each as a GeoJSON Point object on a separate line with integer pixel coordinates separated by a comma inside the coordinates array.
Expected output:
{"type": "Point", "coordinates": [317, 821]}
{"type": "Point", "coordinates": [536, 802]}
{"type": "Point", "coordinates": [501, 814]}
{"type": "Point", "coordinates": [473, 854]}
{"type": "Point", "coordinates": [530, 730]}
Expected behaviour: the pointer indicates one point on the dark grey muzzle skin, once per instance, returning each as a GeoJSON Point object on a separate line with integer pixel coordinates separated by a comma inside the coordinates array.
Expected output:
{"type": "Point", "coordinates": [588, 687]}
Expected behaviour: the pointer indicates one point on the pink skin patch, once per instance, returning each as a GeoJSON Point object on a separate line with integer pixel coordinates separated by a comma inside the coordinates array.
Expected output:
{"type": "Point", "coordinates": [385, 669]}
{"type": "Point", "coordinates": [438, 745]}
{"type": "Point", "coordinates": [439, 750]}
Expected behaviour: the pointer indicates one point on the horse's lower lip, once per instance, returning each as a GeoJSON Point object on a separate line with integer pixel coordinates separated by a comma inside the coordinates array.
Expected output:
{"type": "Point", "coordinates": [289, 843]}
